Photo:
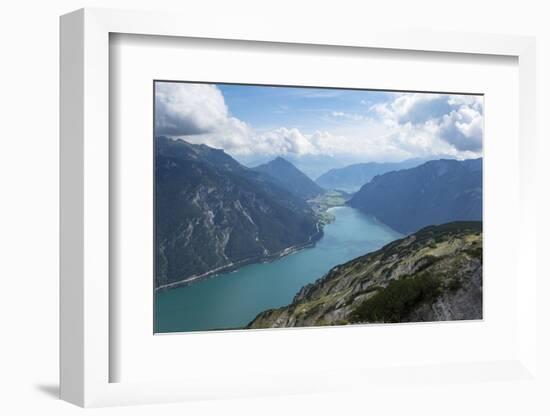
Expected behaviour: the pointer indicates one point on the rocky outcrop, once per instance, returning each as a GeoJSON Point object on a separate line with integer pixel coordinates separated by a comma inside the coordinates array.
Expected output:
{"type": "Point", "coordinates": [432, 275]}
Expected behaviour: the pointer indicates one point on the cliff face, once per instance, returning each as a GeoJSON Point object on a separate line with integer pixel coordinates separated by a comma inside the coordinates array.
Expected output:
{"type": "Point", "coordinates": [432, 275]}
{"type": "Point", "coordinates": [436, 192]}
{"type": "Point", "coordinates": [212, 214]}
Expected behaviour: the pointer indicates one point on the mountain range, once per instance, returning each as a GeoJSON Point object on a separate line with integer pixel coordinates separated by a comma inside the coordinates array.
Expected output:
{"type": "Point", "coordinates": [212, 214]}
{"type": "Point", "coordinates": [435, 192]}
{"type": "Point", "coordinates": [289, 177]}
{"type": "Point", "coordinates": [311, 165]}
{"type": "Point", "coordinates": [352, 177]}
{"type": "Point", "coordinates": [432, 275]}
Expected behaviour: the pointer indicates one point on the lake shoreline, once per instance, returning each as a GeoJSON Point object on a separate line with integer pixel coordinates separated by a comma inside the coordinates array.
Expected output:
{"type": "Point", "coordinates": [321, 209]}
{"type": "Point", "coordinates": [313, 239]}
{"type": "Point", "coordinates": [233, 300]}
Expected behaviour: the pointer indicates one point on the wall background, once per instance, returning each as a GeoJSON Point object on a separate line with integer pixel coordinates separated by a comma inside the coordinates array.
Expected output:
{"type": "Point", "coordinates": [29, 189]}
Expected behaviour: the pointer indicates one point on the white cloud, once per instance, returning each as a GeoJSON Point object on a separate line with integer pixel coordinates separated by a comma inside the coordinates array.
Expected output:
{"type": "Point", "coordinates": [413, 107]}
{"type": "Point", "coordinates": [188, 109]}
{"type": "Point", "coordinates": [456, 120]}
{"type": "Point", "coordinates": [348, 116]}
{"type": "Point", "coordinates": [279, 141]}
{"type": "Point", "coordinates": [407, 125]}
{"type": "Point", "coordinates": [198, 113]}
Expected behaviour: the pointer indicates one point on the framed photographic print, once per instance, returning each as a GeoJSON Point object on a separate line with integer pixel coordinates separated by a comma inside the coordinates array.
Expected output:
{"type": "Point", "coordinates": [369, 211]}
{"type": "Point", "coordinates": [280, 213]}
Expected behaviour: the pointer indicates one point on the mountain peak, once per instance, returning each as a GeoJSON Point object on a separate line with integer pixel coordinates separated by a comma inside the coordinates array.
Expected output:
{"type": "Point", "coordinates": [285, 174]}
{"type": "Point", "coordinates": [182, 149]}
{"type": "Point", "coordinates": [255, 219]}
{"type": "Point", "coordinates": [282, 161]}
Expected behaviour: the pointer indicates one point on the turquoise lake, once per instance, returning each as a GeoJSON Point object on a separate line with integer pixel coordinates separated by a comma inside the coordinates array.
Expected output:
{"type": "Point", "coordinates": [232, 300]}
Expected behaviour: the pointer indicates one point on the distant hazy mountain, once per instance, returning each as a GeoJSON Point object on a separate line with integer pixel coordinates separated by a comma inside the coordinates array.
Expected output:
{"type": "Point", "coordinates": [289, 177]}
{"type": "Point", "coordinates": [312, 165]}
{"type": "Point", "coordinates": [352, 177]}
{"type": "Point", "coordinates": [214, 214]}
{"type": "Point", "coordinates": [435, 192]}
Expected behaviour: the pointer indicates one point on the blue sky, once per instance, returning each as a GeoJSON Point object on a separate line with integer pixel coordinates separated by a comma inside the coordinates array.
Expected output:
{"type": "Point", "coordinates": [262, 122]}
{"type": "Point", "coordinates": [308, 109]}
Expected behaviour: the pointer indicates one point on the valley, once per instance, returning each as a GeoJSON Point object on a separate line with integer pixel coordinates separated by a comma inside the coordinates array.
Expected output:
{"type": "Point", "coordinates": [231, 300]}
{"type": "Point", "coordinates": [268, 247]}
{"type": "Point", "coordinates": [285, 206]}
{"type": "Point", "coordinates": [329, 199]}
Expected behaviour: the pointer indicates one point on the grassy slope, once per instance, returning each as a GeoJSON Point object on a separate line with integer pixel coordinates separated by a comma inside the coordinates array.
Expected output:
{"type": "Point", "coordinates": [434, 274]}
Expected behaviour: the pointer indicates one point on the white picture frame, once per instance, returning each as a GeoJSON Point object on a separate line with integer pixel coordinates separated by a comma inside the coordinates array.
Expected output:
{"type": "Point", "coordinates": [86, 356]}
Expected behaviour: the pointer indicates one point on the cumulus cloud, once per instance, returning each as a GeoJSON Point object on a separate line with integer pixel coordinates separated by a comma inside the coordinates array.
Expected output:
{"type": "Point", "coordinates": [198, 113]}
{"type": "Point", "coordinates": [279, 141]}
{"type": "Point", "coordinates": [431, 119]}
{"type": "Point", "coordinates": [406, 125]}
{"type": "Point", "coordinates": [463, 128]}
{"type": "Point", "coordinates": [189, 109]}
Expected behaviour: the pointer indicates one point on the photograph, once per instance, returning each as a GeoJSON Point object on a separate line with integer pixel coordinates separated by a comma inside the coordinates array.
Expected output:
{"type": "Point", "coordinates": [275, 208]}
{"type": "Point", "coordinates": [292, 206]}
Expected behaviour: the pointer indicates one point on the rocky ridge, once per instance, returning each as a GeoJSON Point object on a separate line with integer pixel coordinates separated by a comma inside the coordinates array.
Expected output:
{"type": "Point", "coordinates": [432, 275]}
